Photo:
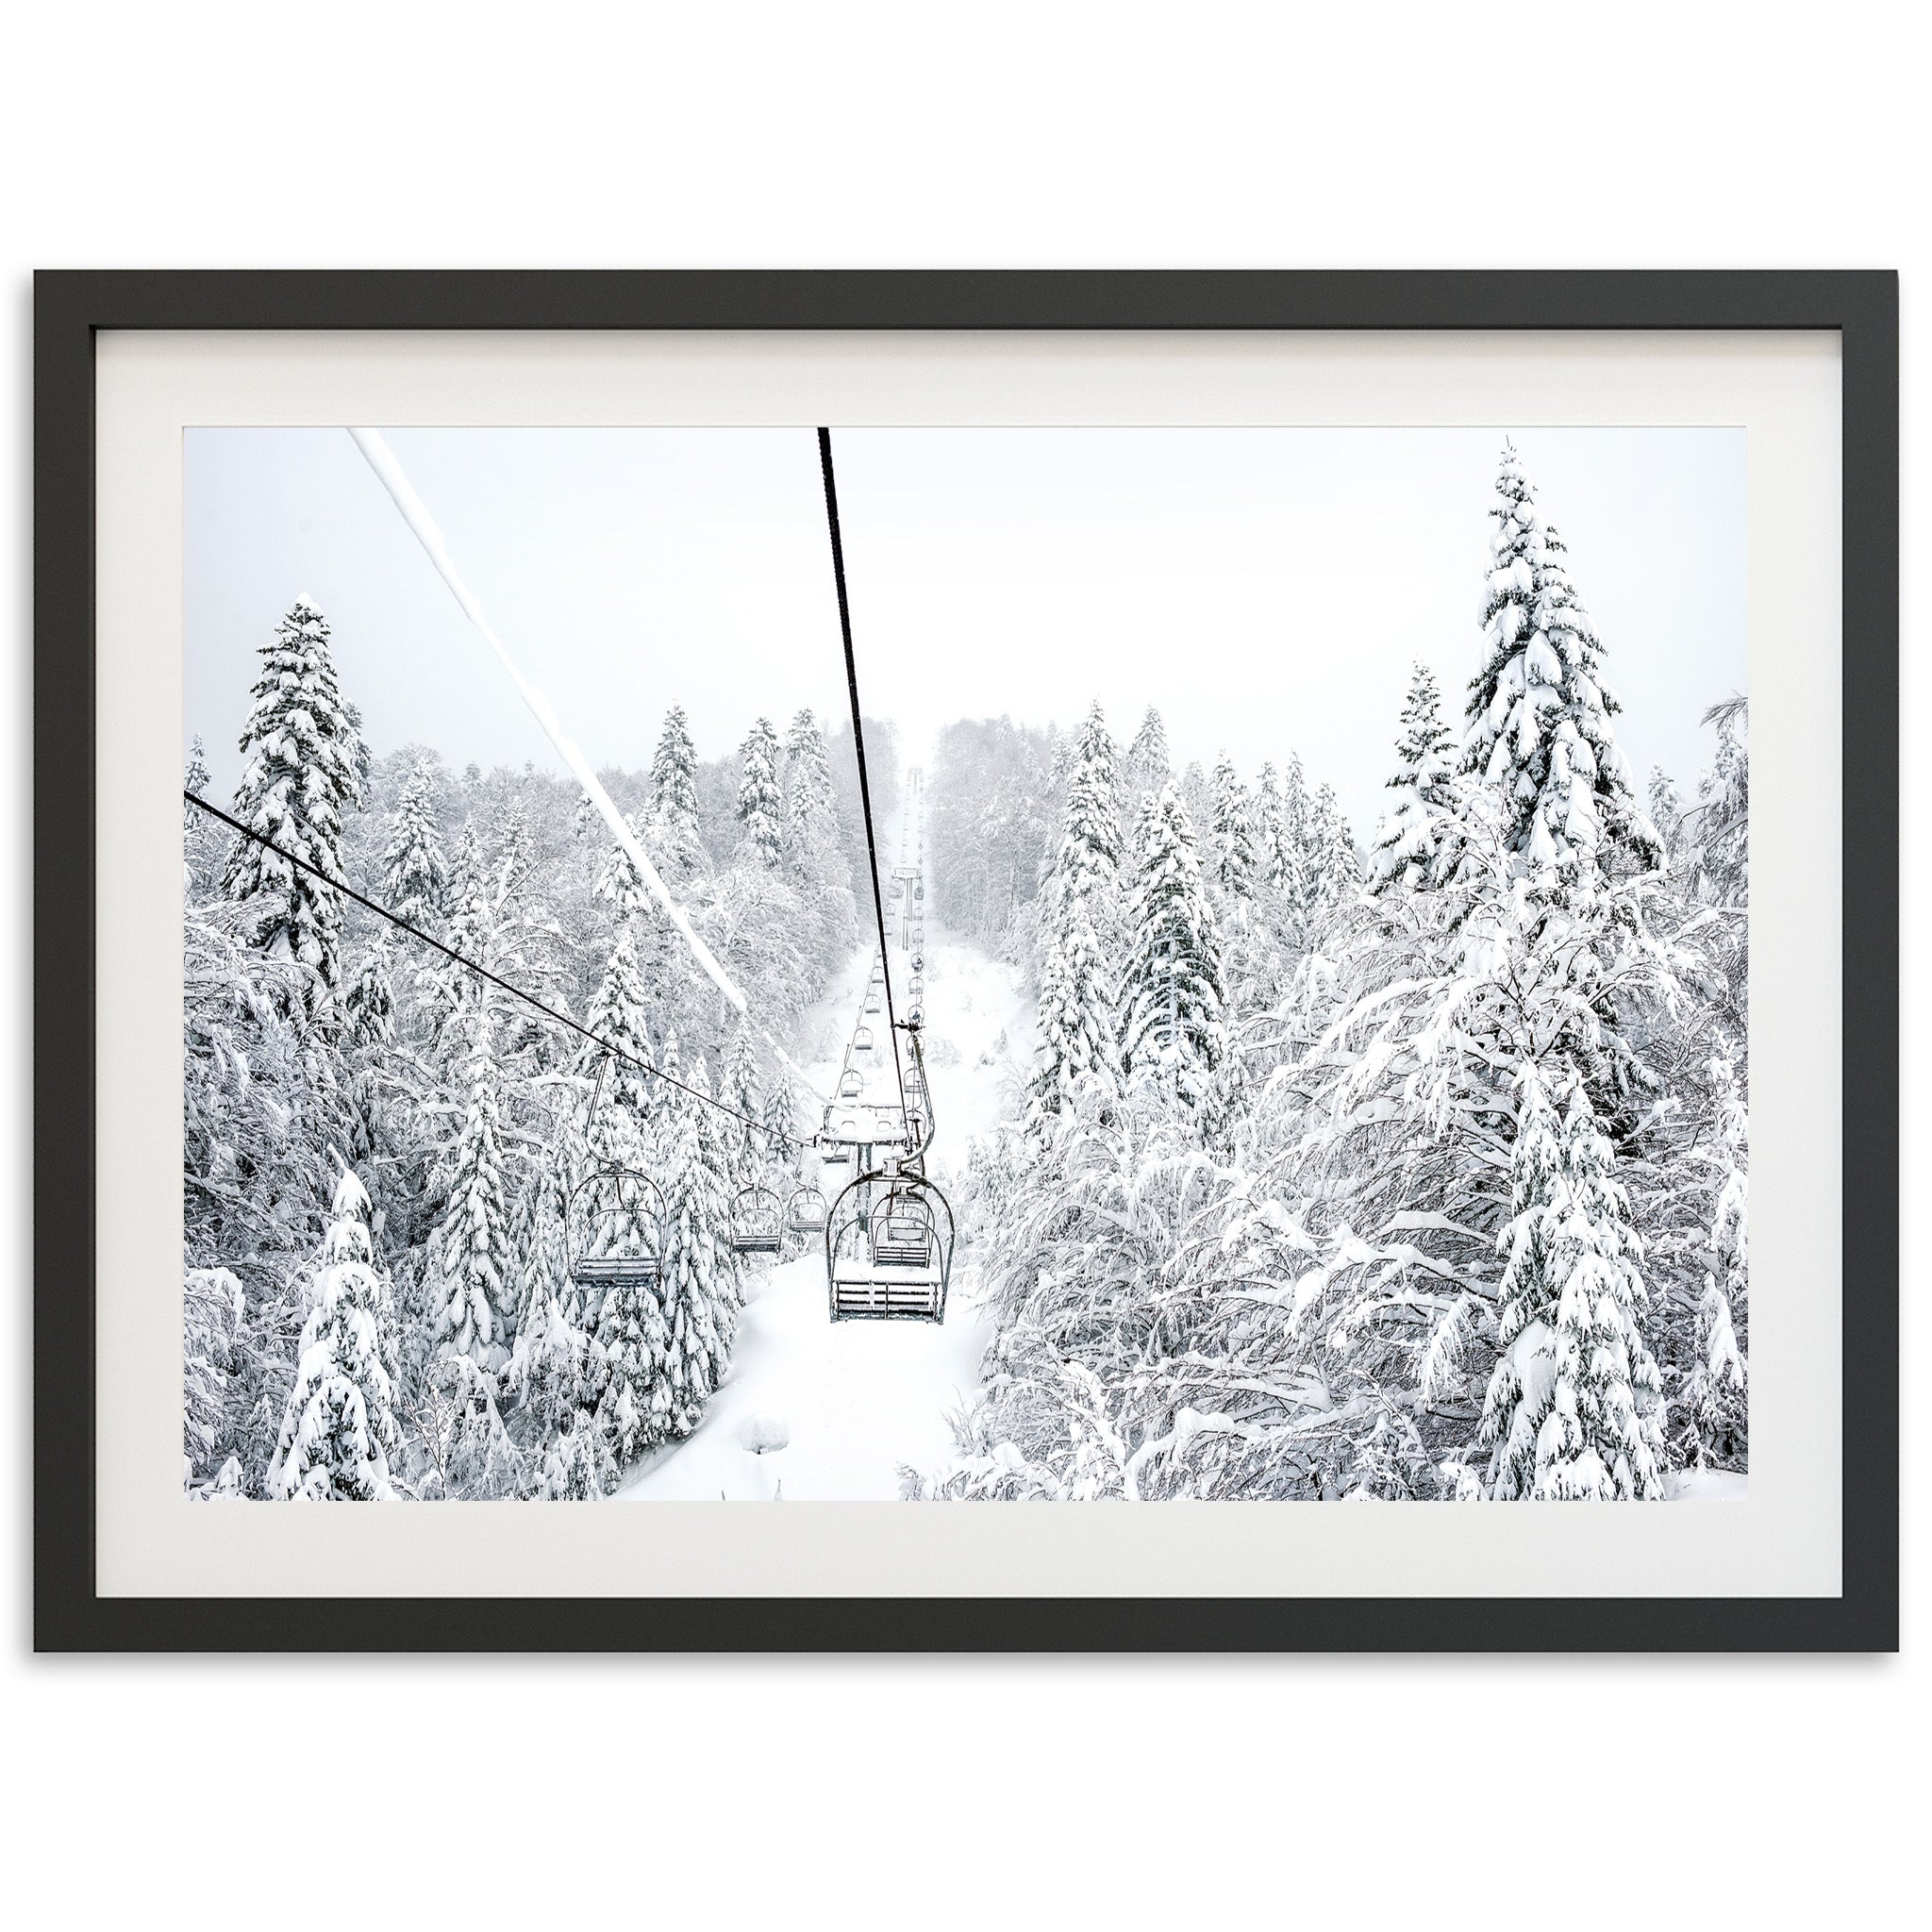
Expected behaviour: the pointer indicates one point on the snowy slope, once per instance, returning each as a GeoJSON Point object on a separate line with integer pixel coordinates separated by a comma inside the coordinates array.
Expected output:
{"type": "Point", "coordinates": [857, 1400]}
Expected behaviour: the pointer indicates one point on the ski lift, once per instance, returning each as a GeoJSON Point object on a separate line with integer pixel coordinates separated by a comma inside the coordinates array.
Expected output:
{"type": "Point", "coordinates": [614, 1228]}
{"type": "Point", "coordinates": [757, 1221]}
{"type": "Point", "coordinates": [916, 1017]}
{"type": "Point", "coordinates": [804, 1213]}
{"type": "Point", "coordinates": [919, 935]}
{"type": "Point", "coordinates": [835, 1154]}
{"type": "Point", "coordinates": [872, 1003]}
{"type": "Point", "coordinates": [851, 1084]}
{"type": "Point", "coordinates": [918, 893]}
{"type": "Point", "coordinates": [889, 1252]}
{"type": "Point", "coordinates": [917, 989]}
{"type": "Point", "coordinates": [919, 962]}
{"type": "Point", "coordinates": [861, 1041]}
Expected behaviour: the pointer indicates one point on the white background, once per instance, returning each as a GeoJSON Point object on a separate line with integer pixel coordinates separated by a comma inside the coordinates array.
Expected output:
{"type": "Point", "coordinates": [1758, 1792]}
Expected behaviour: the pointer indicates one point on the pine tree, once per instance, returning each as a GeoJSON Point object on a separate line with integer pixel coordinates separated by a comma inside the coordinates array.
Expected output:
{"type": "Point", "coordinates": [1574, 1406]}
{"type": "Point", "coordinates": [303, 756]}
{"type": "Point", "coordinates": [1174, 990]}
{"type": "Point", "coordinates": [1298, 828]}
{"type": "Point", "coordinates": [338, 1430]}
{"type": "Point", "coordinates": [700, 1298]}
{"type": "Point", "coordinates": [1539, 730]}
{"type": "Point", "coordinates": [369, 1006]}
{"type": "Point", "coordinates": [626, 1105]}
{"type": "Point", "coordinates": [740, 1087]}
{"type": "Point", "coordinates": [1666, 809]}
{"type": "Point", "coordinates": [1088, 863]}
{"type": "Point", "coordinates": [809, 800]}
{"type": "Point", "coordinates": [469, 921]}
{"type": "Point", "coordinates": [1150, 770]}
{"type": "Point", "coordinates": [1336, 869]}
{"type": "Point", "coordinates": [1711, 1400]}
{"type": "Point", "coordinates": [1277, 848]}
{"type": "Point", "coordinates": [197, 781]}
{"type": "Point", "coordinates": [1234, 838]}
{"type": "Point", "coordinates": [1406, 846]}
{"type": "Point", "coordinates": [550, 1364]}
{"type": "Point", "coordinates": [760, 803]}
{"type": "Point", "coordinates": [1723, 858]}
{"type": "Point", "coordinates": [619, 882]}
{"type": "Point", "coordinates": [475, 1270]}
{"type": "Point", "coordinates": [674, 797]}
{"type": "Point", "coordinates": [415, 875]}
{"type": "Point", "coordinates": [1078, 1015]}
{"type": "Point", "coordinates": [778, 1123]}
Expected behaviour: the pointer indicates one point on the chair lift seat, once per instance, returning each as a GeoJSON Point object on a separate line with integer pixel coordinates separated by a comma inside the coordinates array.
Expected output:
{"type": "Point", "coordinates": [614, 1271]}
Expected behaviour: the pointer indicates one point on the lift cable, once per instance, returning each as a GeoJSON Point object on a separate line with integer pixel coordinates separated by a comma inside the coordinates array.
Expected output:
{"type": "Point", "coordinates": [529, 999]}
{"type": "Point", "coordinates": [878, 904]}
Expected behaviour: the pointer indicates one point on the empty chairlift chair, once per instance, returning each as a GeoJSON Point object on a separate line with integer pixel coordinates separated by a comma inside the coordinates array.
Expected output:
{"type": "Point", "coordinates": [614, 1229]}
{"type": "Point", "coordinates": [889, 1250]}
{"type": "Point", "coordinates": [861, 1041]}
{"type": "Point", "coordinates": [804, 1213]}
{"type": "Point", "coordinates": [756, 1223]}
{"type": "Point", "coordinates": [851, 1084]}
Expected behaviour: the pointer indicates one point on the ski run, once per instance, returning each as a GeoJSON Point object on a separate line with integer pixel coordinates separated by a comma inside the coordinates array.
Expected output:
{"type": "Point", "coordinates": [1288, 1159]}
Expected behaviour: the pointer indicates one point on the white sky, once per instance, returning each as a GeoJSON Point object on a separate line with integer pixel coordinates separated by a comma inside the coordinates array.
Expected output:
{"type": "Point", "coordinates": [1266, 588]}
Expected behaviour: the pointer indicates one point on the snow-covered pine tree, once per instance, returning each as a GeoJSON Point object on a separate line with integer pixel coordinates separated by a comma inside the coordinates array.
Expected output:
{"type": "Point", "coordinates": [700, 1293]}
{"type": "Point", "coordinates": [549, 1367]}
{"type": "Point", "coordinates": [760, 801]}
{"type": "Point", "coordinates": [1234, 835]}
{"type": "Point", "coordinates": [1079, 1020]}
{"type": "Point", "coordinates": [676, 840]}
{"type": "Point", "coordinates": [1710, 1402]}
{"type": "Point", "coordinates": [475, 1268]}
{"type": "Point", "coordinates": [627, 1103]}
{"type": "Point", "coordinates": [303, 758]}
{"type": "Point", "coordinates": [1723, 858]}
{"type": "Point", "coordinates": [369, 1016]}
{"type": "Point", "coordinates": [779, 1126]}
{"type": "Point", "coordinates": [807, 770]}
{"type": "Point", "coordinates": [1173, 990]}
{"type": "Point", "coordinates": [1276, 850]}
{"type": "Point", "coordinates": [454, 990]}
{"type": "Point", "coordinates": [1088, 860]}
{"type": "Point", "coordinates": [1338, 868]}
{"type": "Point", "coordinates": [338, 1431]}
{"type": "Point", "coordinates": [628, 1376]}
{"type": "Point", "coordinates": [619, 883]}
{"type": "Point", "coordinates": [1406, 846]}
{"type": "Point", "coordinates": [1539, 713]}
{"type": "Point", "coordinates": [749, 1154]}
{"type": "Point", "coordinates": [1574, 1408]}
{"type": "Point", "coordinates": [213, 1308]}
{"type": "Point", "coordinates": [1666, 807]}
{"type": "Point", "coordinates": [369, 1006]}
{"type": "Point", "coordinates": [196, 779]}
{"type": "Point", "coordinates": [415, 874]}
{"type": "Point", "coordinates": [1149, 768]}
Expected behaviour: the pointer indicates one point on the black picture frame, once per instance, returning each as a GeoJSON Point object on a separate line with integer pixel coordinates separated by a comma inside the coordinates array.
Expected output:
{"type": "Point", "coordinates": [71, 308]}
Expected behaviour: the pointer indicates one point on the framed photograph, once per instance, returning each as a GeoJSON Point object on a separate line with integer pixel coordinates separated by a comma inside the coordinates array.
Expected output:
{"type": "Point", "coordinates": [950, 899]}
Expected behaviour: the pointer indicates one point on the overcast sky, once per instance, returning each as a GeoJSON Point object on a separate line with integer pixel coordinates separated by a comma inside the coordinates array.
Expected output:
{"type": "Point", "coordinates": [1266, 588]}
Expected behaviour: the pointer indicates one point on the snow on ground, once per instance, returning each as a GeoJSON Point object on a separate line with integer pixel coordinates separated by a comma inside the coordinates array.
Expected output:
{"type": "Point", "coordinates": [856, 1401]}
{"type": "Point", "coordinates": [1706, 1486]}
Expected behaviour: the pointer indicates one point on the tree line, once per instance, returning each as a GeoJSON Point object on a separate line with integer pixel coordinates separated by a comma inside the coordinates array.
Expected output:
{"type": "Point", "coordinates": [393, 1168]}
{"type": "Point", "coordinates": [1414, 1174]}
